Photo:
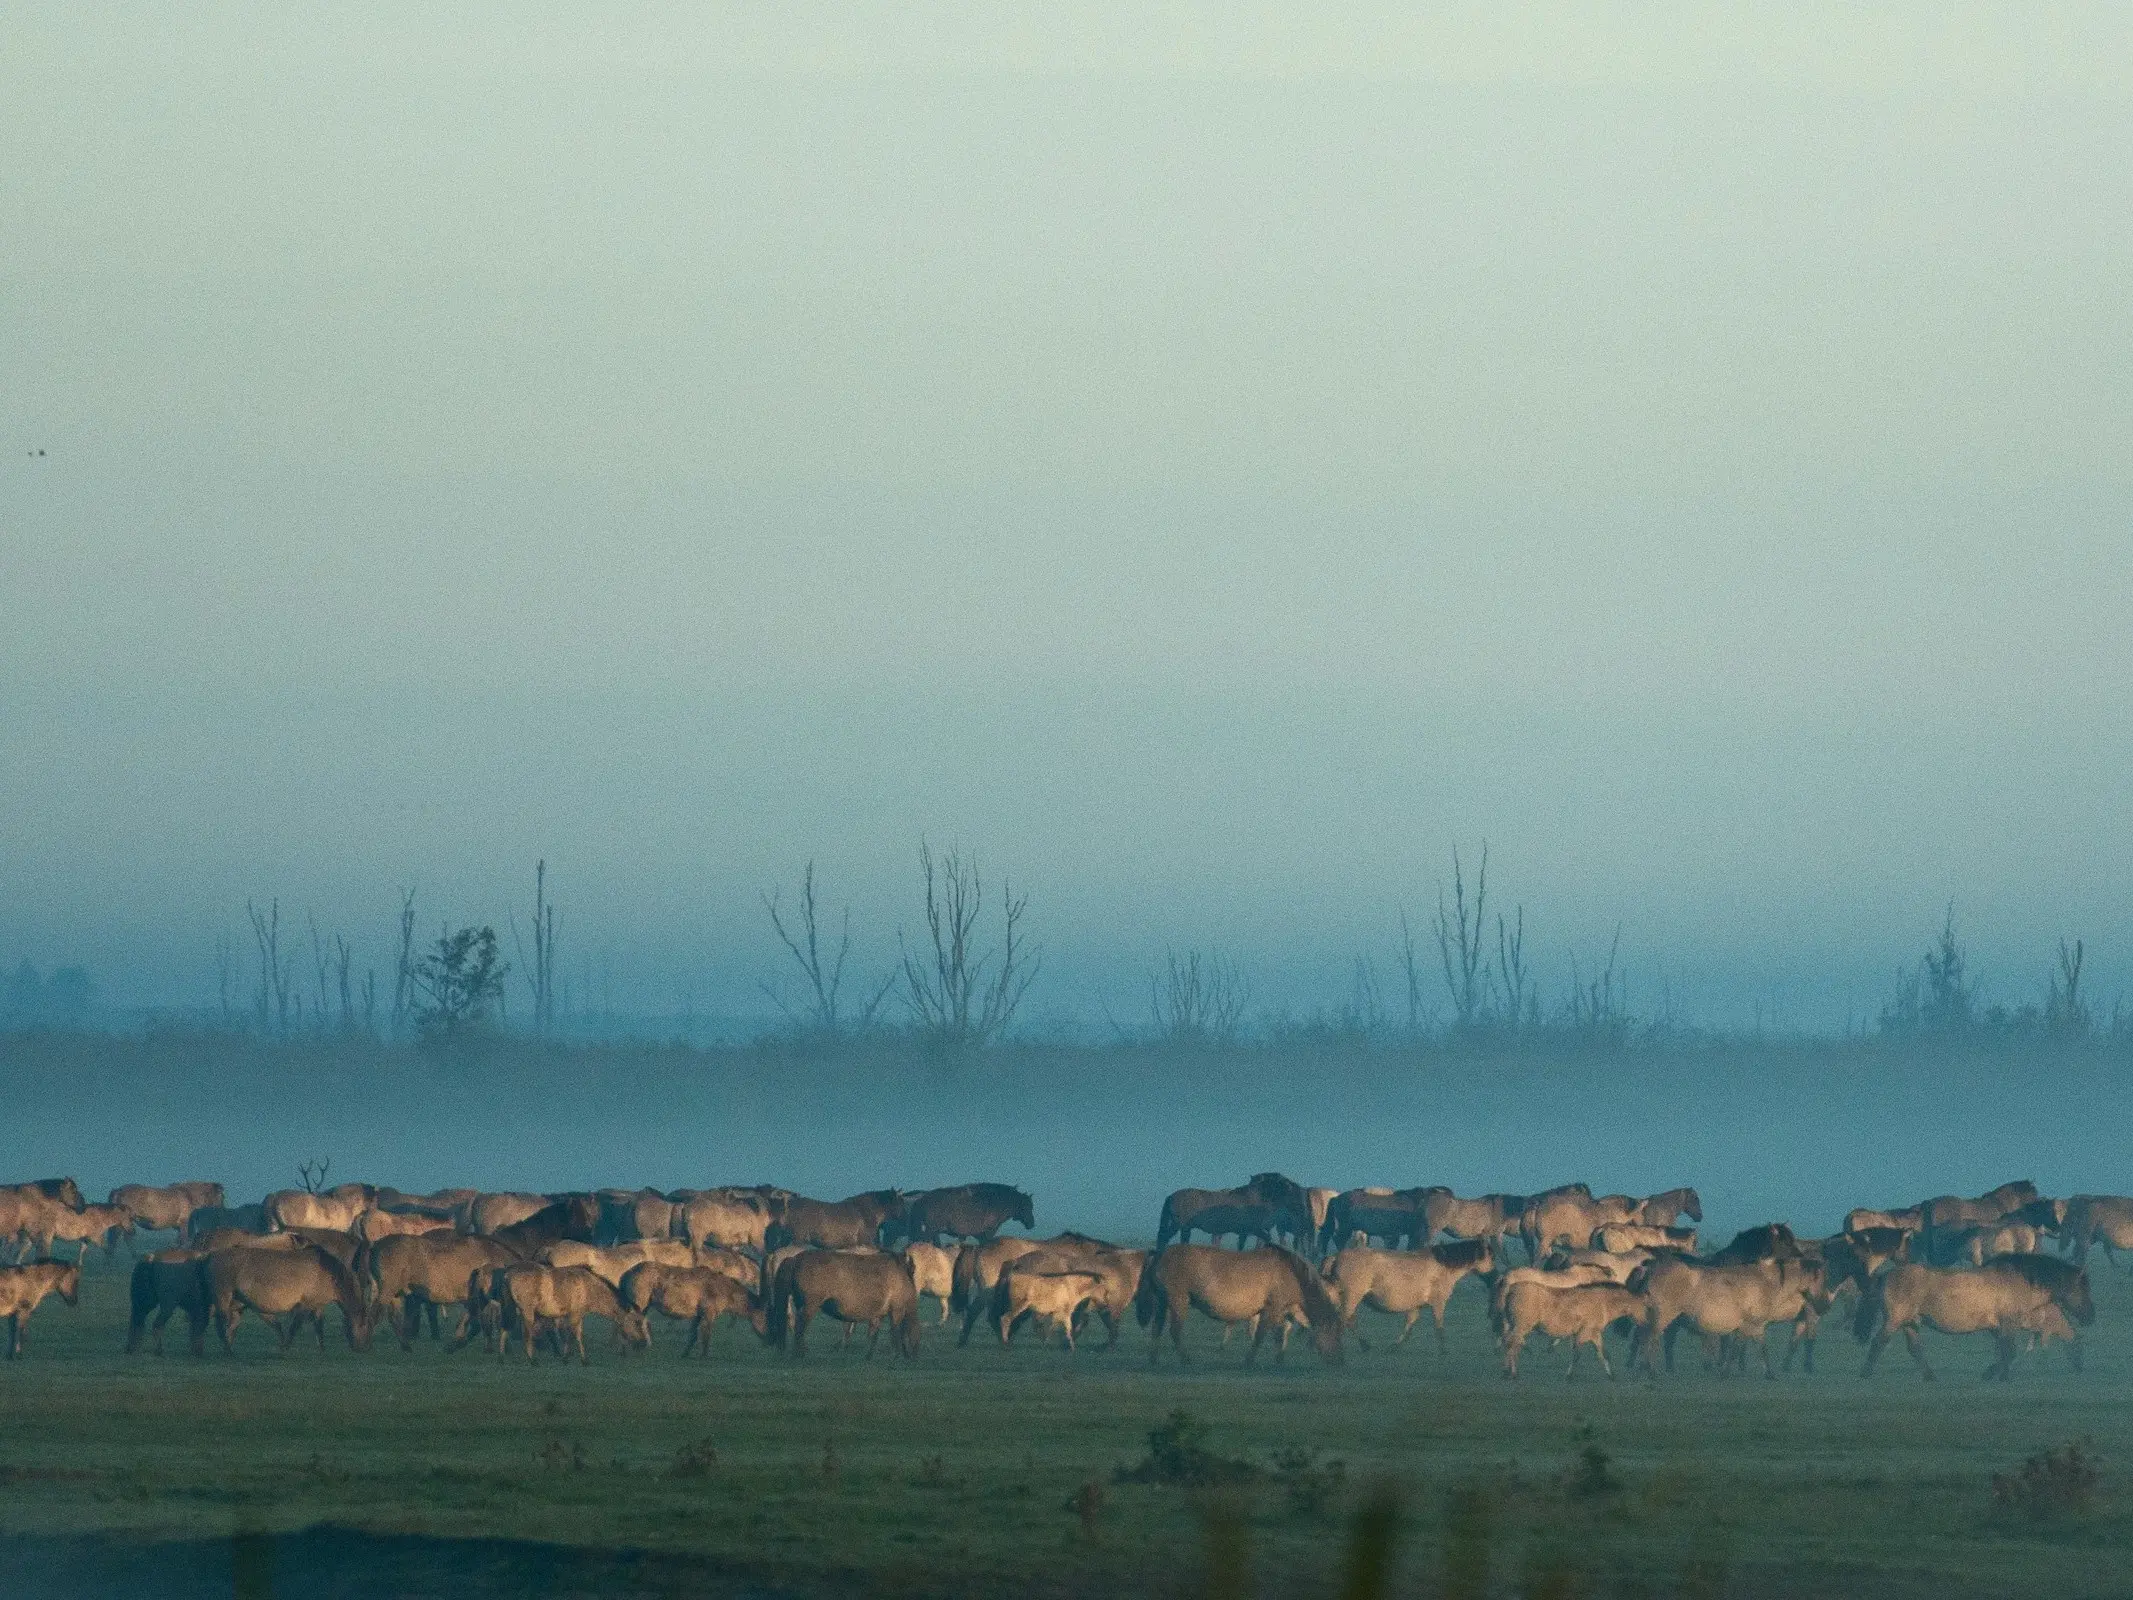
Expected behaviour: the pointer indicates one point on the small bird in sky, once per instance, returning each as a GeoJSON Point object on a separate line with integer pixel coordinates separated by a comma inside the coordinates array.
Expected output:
{"type": "Point", "coordinates": [35, 453]}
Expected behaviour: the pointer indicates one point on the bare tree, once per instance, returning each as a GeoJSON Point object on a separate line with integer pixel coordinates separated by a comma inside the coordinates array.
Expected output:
{"type": "Point", "coordinates": [313, 1174]}
{"type": "Point", "coordinates": [1459, 942]}
{"type": "Point", "coordinates": [946, 987]}
{"type": "Point", "coordinates": [2065, 1012]}
{"type": "Point", "coordinates": [1598, 1007]}
{"type": "Point", "coordinates": [1513, 984]}
{"type": "Point", "coordinates": [1418, 1013]}
{"type": "Point", "coordinates": [1198, 1000]}
{"type": "Point", "coordinates": [404, 966]}
{"type": "Point", "coordinates": [272, 1003]}
{"type": "Point", "coordinates": [820, 1009]}
{"type": "Point", "coordinates": [540, 971]}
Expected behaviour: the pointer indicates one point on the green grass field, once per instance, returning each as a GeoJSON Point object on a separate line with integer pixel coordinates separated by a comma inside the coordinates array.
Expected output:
{"type": "Point", "coordinates": [958, 1473]}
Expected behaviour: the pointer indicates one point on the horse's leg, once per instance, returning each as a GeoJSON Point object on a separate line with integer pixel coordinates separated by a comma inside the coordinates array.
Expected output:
{"type": "Point", "coordinates": [1918, 1350]}
{"type": "Point", "coordinates": [1443, 1346]}
{"type": "Point", "coordinates": [1177, 1333]}
{"type": "Point", "coordinates": [577, 1337]}
{"type": "Point", "coordinates": [1599, 1348]}
{"type": "Point", "coordinates": [1513, 1342]}
{"type": "Point", "coordinates": [1667, 1344]}
{"type": "Point", "coordinates": [1577, 1348]}
{"type": "Point", "coordinates": [873, 1334]}
{"type": "Point", "coordinates": [1408, 1327]}
{"type": "Point", "coordinates": [1066, 1323]}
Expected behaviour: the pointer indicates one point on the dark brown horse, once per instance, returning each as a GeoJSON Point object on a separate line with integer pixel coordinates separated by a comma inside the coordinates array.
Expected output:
{"type": "Point", "coordinates": [835, 1224]}
{"type": "Point", "coordinates": [967, 1211]}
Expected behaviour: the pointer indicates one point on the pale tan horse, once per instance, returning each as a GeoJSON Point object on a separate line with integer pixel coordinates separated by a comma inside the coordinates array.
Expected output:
{"type": "Point", "coordinates": [1117, 1273]}
{"type": "Point", "coordinates": [23, 1290]}
{"type": "Point", "coordinates": [101, 1225]}
{"type": "Point", "coordinates": [1404, 1282]}
{"type": "Point", "coordinates": [169, 1207]}
{"type": "Point", "coordinates": [1572, 1219]}
{"type": "Point", "coordinates": [490, 1212]}
{"type": "Point", "coordinates": [977, 1274]}
{"type": "Point", "coordinates": [374, 1225]}
{"type": "Point", "coordinates": [300, 1208]}
{"type": "Point", "coordinates": [1491, 1217]}
{"type": "Point", "coordinates": [1736, 1301]}
{"type": "Point", "coordinates": [734, 1220]}
{"type": "Point", "coordinates": [1268, 1288]}
{"type": "Point", "coordinates": [1052, 1297]}
{"type": "Point", "coordinates": [293, 1282]}
{"type": "Point", "coordinates": [1619, 1238]}
{"type": "Point", "coordinates": [698, 1296]}
{"type": "Point", "coordinates": [933, 1272]}
{"type": "Point", "coordinates": [1861, 1218]}
{"type": "Point", "coordinates": [2004, 1296]}
{"type": "Point", "coordinates": [1582, 1314]}
{"type": "Point", "coordinates": [614, 1261]}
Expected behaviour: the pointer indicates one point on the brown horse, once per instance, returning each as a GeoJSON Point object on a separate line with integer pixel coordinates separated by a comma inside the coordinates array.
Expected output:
{"type": "Point", "coordinates": [1404, 1282]}
{"type": "Point", "coordinates": [294, 1282]}
{"type": "Point", "coordinates": [23, 1289]}
{"type": "Point", "coordinates": [102, 1226]}
{"type": "Point", "coordinates": [977, 1274]}
{"type": "Point", "coordinates": [570, 1216]}
{"type": "Point", "coordinates": [1049, 1297]}
{"type": "Point", "coordinates": [1951, 1212]}
{"type": "Point", "coordinates": [735, 1219]}
{"type": "Point", "coordinates": [487, 1213]}
{"type": "Point", "coordinates": [852, 1288]}
{"type": "Point", "coordinates": [1265, 1206]}
{"type": "Point", "coordinates": [2093, 1219]}
{"type": "Point", "coordinates": [414, 1273]}
{"type": "Point", "coordinates": [614, 1262]}
{"type": "Point", "coordinates": [1573, 1219]}
{"type": "Point", "coordinates": [1397, 1216]}
{"type": "Point", "coordinates": [968, 1211]}
{"type": "Point", "coordinates": [1490, 1217]}
{"type": "Point", "coordinates": [698, 1296]}
{"type": "Point", "coordinates": [2006, 1295]}
{"type": "Point", "coordinates": [1268, 1289]}
{"type": "Point", "coordinates": [838, 1224]}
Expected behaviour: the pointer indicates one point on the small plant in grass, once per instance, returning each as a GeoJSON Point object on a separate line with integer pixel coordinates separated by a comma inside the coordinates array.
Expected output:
{"type": "Point", "coordinates": [831, 1465]}
{"type": "Point", "coordinates": [2051, 1483]}
{"type": "Point", "coordinates": [932, 1473]}
{"type": "Point", "coordinates": [697, 1460]}
{"type": "Point", "coordinates": [1178, 1454]}
{"type": "Point", "coordinates": [1312, 1487]}
{"type": "Point", "coordinates": [555, 1453]}
{"type": "Point", "coordinates": [1087, 1504]}
{"type": "Point", "coordinates": [1592, 1470]}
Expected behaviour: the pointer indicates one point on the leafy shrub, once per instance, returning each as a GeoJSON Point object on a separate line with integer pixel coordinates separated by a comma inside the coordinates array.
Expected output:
{"type": "Point", "coordinates": [1178, 1454]}
{"type": "Point", "coordinates": [1311, 1486]}
{"type": "Point", "coordinates": [2051, 1483]}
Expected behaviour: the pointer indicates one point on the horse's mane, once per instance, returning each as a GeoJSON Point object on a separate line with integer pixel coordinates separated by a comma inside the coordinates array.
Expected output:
{"type": "Point", "coordinates": [2049, 1273]}
{"type": "Point", "coordinates": [1318, 1304]}
{"type": "Point", "coordinates": [1460, 1252]}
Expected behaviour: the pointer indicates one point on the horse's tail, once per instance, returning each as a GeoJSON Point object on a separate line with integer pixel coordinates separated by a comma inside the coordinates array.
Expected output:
{"type": "Point", "coordinates": [1166, 1227]}
{"type": "Point", "coordinates": [776, 1314]}
{"type": "Point", "coordinates": [1873, 1307]}
{"type": "Point", "coordinates": [1150, 1303]}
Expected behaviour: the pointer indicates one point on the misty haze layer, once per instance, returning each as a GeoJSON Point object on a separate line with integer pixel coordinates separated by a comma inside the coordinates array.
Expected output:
{"type": "Point", "coordinates": [1205, 466]}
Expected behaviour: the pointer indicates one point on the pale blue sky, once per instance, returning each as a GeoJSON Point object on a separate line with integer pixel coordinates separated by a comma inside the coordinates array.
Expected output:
{"type": "Point", "coordinates": [1207, 462]}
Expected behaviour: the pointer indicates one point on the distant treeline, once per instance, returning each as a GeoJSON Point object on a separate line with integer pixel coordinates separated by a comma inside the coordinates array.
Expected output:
{"type": "Point", "coordinates": [1461, 982]}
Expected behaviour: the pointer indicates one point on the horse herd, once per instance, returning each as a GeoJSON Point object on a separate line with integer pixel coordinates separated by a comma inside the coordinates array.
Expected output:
{"type": "Point", "coordinates": [521, 1269]}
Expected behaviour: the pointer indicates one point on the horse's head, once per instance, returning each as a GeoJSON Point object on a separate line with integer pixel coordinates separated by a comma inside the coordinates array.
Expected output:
{"type": "Point", "coordinates": [2076, 1301]}
{"type": "Point", "coordinates": [1025, 1211]}
{"type": "Point", "coordinates": [1692, 1205]}
{"type": "Point", "coordinates": [69, 1284]}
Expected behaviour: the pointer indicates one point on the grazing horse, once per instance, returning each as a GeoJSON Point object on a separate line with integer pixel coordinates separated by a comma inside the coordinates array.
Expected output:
{"type": "Point", "coordinates": [836, 1225]}
{"type": "Point", "coordinates": [1404, 1282]}
{"type": "Point", "coordinates": [22, 1290]}
{"type": "Point", "coordinates": [1582, 1315]}
{"type": "Point", "coordinates": [852, 1288]}
{"type": "Point", "coordinates": [1268, 1288]}
{"type": "Point", "coordinates": [565, 1297]}
{"type": "Point", "coordinates": [968, 1211]}
{"type": "Point", "coordinates": [696, 1295]}
{"type": "Point", "coordinates": [2004, 1296]}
